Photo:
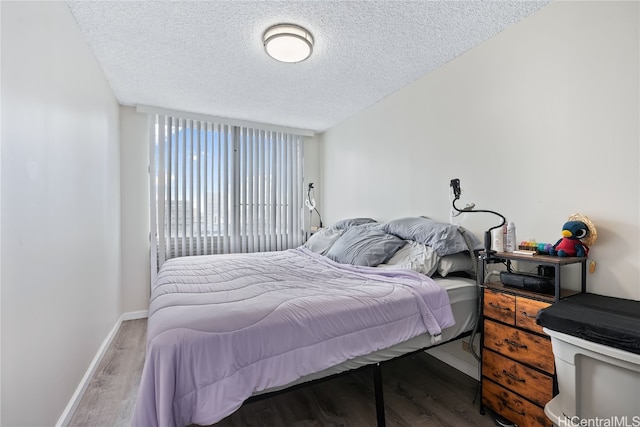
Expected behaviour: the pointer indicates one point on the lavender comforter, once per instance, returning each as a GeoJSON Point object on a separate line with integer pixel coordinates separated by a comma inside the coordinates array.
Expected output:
{"type": "Point", "coordinates": [222, 327]}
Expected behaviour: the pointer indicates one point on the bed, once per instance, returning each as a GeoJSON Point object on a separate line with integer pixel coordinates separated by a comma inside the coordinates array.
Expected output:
{"type": "Point", "coordinates": [224, 328]}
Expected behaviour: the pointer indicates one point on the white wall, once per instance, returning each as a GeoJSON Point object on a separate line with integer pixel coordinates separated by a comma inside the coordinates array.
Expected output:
{"type": "Point", "coordinates": [134, 199]}
{"type": "Point", "coordinates": [60, 211]}
{"type": "Point", "coordinates": [540, 122]}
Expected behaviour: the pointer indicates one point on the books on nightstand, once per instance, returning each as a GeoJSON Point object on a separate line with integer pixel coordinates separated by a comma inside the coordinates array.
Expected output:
{"type": "Point", "coordinates": [524, 252]}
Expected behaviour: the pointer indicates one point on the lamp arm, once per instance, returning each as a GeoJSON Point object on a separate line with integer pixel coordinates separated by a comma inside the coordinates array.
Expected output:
{"type": "Point", "coordinates": [319, 217]}
{"type": "Point", "coordinates": [310, 202]}
{"type": "Point", "coordinates": [487, 234]}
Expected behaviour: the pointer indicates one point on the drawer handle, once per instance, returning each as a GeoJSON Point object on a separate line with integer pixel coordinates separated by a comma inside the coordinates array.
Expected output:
{"type": "Point", "coordinates": [525, 314]}
{"type": "Point", "coordinates": [515, 343]}
{"type": "Point", "coordinates": [498, 307]}
{"type": "Point", "coordinates": [513, 377]}
{"type": "Point", "coordinates": [522, 414]}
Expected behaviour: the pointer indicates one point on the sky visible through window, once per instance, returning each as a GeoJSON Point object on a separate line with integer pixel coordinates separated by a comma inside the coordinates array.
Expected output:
{"type": "Point", "coordinates": [212, 173]}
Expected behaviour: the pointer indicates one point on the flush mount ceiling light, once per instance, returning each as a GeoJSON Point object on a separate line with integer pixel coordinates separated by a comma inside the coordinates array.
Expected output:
{"type": "Point", "coordinates": [288, 43]}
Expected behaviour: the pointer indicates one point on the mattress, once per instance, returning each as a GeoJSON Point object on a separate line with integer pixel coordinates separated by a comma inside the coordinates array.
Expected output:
{"type": "Point", "coordinates": [222, 328]}
{"type": "Point", "coordinates": [463, 296]}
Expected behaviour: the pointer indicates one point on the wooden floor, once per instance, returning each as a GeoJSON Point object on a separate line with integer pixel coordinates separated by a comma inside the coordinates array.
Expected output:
{"type": "Point", "coordinates": [111, 395]}
{"type": "Point", "coordinates": [419, 390]}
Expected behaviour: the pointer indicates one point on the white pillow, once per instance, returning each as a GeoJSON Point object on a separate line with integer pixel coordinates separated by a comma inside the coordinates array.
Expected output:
{"type": "Point", "coordinates": [456, 262]}
{"type": "Point", "coordinates": [321, 241]}
{"type": "Point", "coordinates": [414, 256]}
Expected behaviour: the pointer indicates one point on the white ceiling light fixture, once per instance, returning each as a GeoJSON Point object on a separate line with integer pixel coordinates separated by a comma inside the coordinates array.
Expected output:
{"type": "Point", "coordinates": [288, 43]}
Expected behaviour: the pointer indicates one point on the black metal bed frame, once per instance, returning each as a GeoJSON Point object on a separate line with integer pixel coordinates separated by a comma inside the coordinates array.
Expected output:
{"type": "Point", "coordinates": [377, 378]}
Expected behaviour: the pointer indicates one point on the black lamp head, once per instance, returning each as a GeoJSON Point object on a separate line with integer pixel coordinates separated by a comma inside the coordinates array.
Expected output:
{"type": "Point", "coordinates": [455, 184]}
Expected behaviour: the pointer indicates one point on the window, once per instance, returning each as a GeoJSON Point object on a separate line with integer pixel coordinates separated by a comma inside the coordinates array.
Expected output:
{"type": "Point", "coordinates": [223, 189]}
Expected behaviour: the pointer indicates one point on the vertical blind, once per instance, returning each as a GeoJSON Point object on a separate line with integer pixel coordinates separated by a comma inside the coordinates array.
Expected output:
{"type": "Point", "coordinates": [217, 188]}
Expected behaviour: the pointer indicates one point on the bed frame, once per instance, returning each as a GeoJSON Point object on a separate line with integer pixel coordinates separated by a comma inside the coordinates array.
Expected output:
{"type": "Point", "coordinates": [377, 379]}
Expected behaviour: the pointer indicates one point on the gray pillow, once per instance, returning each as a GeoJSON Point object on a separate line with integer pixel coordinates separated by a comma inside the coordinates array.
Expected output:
{"type": "Point", "coordinates": [362, 245]}
{"type": "Point", "coordinates": [350, 222]}
{"type": "Point", "coordinates": [321, 241]}
{"type": "Point", "coordinates": [444, 238]}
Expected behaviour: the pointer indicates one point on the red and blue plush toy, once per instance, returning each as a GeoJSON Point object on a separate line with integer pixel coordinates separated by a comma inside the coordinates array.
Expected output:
{"type": "Point", "coordinates": [577, 234]}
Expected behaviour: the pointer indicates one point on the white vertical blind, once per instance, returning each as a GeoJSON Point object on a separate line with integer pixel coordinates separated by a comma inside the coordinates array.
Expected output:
{"type": "Point", "coordinates": [222, 189]}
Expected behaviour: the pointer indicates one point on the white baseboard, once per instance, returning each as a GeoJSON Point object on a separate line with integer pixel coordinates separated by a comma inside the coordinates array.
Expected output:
{"type": "Point", "coordinates": [455, 362]}
{"type": "Point", "coordinates": [65, 418]}
{"type": "Point", "coordinates": [134, 315]}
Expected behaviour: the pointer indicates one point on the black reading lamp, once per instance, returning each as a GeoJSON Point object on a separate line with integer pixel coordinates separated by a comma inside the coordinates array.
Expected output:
{"type": "Point", "coordinates": [455, 185]}
{"type": "Point", "coordinates": [310, 203]}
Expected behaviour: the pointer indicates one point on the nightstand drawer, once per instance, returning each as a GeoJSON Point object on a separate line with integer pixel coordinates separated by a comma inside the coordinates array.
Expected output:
{"type": "Point", "coordinates": [527, 382]}
{"type": "Point", "coordinates": [500, 306]}
{"type": "Point", "coordinates": [513, 407]}
{"type": "Point", "coordinates": [522, 346]}
{"type": "Point", "coordinates": [526, 312]}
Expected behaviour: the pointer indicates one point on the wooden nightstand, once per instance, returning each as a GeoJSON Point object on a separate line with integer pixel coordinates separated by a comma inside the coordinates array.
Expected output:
{"type": "Point", "coordinates": [518, 372]}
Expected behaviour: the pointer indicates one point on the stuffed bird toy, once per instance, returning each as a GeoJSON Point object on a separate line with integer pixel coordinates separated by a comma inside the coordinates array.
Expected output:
{"type": "Point", "coordinates": [570, 244]}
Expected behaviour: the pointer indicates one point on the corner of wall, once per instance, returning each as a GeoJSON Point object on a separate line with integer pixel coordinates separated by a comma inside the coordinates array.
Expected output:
{"type": "Point", "coordinates": [134, 210]}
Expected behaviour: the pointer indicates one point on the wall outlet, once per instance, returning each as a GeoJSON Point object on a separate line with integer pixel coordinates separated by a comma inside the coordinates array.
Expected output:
{"type": "Point", "coordinates": [466, 346]}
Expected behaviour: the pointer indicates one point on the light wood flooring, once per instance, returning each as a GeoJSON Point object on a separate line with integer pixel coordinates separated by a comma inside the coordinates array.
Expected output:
{"type": "Point", "coordinates": [419, 390]}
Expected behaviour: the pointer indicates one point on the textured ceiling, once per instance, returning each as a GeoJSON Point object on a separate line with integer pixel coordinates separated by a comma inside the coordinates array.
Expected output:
{"type": "Point", "coordinates": [207, 57]}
